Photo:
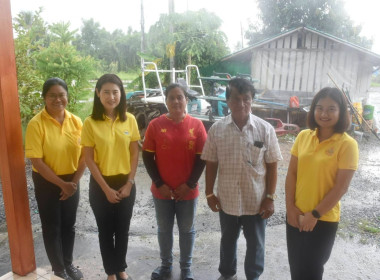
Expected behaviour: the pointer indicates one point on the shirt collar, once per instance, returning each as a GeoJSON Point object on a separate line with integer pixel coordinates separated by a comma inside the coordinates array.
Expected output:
{"type": "Point", "coordinates": [108, 118]}
{"type": "Point", "coordinates": [336, 136]}
{"type": "Point", "coordinates": [45, 113]}
{"type": "Point", "coordinates": [250, 121]}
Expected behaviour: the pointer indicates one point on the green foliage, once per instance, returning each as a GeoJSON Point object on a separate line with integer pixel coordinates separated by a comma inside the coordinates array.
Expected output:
{"type": "Point", "coordinates": [63, 60]}
{"type": "Point", "coordinates": [196, 39]}
{"type": "Point", "coordinates": [324, 15]}
{"type": "Point", "coordinates": [117, 51]}
{"type": "Point", "coordinates": [30, 30]}
{"type": "Point", "coordinates": [60, 32]}
{"type": "Point", "coordinates": [43, 52]}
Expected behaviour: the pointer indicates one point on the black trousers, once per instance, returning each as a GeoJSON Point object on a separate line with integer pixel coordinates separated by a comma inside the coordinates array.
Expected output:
{"type": "Point", "coordinates": [57, 220]}
{"type": "Point", "coordinates": [309, 251]}
{"type": "Point", "coordinates": [113, 222]}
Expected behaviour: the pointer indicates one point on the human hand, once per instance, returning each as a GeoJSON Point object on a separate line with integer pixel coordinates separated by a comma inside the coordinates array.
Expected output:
{"type": "Point", "coordinates": [125, 191]}
{"type": "Point", "coordinates": [181, 191]}
{"type": "Point", "coordinates": [166, 192]}
{"type": "Point", "coordinates": [112, 195]}
{"type": "Point", "coordinates": [67, 190]}
{"type": "Point", "coordinates": [293, 216]}
{"type": "Point", "coordinates": [266, 208]}
{"type": "Point", "coordinates": [308, 222]}
{"type": "Point", "coordinates": [213, 203]}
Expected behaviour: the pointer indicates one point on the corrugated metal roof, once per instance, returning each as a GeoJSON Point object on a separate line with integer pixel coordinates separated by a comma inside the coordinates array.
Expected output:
{"type": "Point", "coordinates": [288, 32]}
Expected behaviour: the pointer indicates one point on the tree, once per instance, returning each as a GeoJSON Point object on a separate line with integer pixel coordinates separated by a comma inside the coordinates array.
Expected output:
{"type": "Point", "coordinates": [64, 61]}
{"type": "Point", "coordinates": [116, 50]}
{"type": "Point", "coordinates": [196, 39]}
{"type": "Point", "coordinates": [324, 15]}
{"type": "Point", "coordinates": [61, 32]}
{"type": "Point", "coordinates": [31, 30]}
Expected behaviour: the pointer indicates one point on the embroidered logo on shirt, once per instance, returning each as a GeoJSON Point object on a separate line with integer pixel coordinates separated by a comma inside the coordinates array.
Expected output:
{"type": "Point", "coordinates": [191, 145]}
{"type": "Point", "coordinates": [163, 130]}
{"type": "Point", "coordinates": [330, 151]}
{"type": "Point", "coordinates": [126, 132]}
{"type": "Point", "coordinates": [191, 132]}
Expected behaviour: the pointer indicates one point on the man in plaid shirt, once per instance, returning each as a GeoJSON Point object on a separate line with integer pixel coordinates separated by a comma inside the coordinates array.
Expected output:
{"type": "Point", "coordinates": [243, 151]}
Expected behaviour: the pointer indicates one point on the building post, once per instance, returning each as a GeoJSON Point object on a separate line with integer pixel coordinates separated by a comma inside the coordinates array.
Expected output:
{"type": "Point", "coordinates": [12, 164]}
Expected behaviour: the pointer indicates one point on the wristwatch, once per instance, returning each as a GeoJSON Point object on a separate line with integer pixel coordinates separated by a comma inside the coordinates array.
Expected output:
{"type": "Point", "coordinates": [132, 181]}
{"type": "Point", "coordinates": [271, 196]}
{"type": "Point", "coordinates": [315, 214]}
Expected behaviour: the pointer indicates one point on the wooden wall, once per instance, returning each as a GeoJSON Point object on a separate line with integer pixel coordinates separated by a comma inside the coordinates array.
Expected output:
{"type": "Point", "coordinates": [281, 65]}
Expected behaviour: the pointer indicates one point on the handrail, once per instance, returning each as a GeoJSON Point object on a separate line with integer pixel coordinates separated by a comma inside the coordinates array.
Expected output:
{"type": "Point", "coordinates": [173, 72]}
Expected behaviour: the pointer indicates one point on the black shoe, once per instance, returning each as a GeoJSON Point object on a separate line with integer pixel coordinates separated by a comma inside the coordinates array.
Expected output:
{"type": "Point", "coordinates": [62, 274]}
{"type": "Point", "coordinates": [186, 274]}
{"type": "Point", "coordinates": [161, 273]}
{"type": "Point", "coordinates": [74, 272]}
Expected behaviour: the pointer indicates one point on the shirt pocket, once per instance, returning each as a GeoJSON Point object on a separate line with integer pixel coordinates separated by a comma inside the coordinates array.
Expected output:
{"type": "Point", "coordinates": [255, 155]}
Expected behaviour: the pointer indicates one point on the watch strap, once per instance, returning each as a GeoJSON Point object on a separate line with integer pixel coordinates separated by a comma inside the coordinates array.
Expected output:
{"type": "Point", "coordinates": [315, 214]}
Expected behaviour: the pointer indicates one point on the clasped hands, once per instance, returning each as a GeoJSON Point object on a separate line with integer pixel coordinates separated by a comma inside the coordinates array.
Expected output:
{"type": "Point", "coordinates": [67, 189]}
{"type": "Point", "coordinates": [303, 221]}
{"type": "Point", "coordinates": [115, 196]}
{"type": "Point", "coordinates": [178, 194]}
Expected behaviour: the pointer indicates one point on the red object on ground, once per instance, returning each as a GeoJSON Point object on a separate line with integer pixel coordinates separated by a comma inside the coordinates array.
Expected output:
{"type": "Point", "coordinates": [283, 128]}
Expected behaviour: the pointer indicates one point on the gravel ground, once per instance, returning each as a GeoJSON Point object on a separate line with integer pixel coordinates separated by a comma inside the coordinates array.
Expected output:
{"type": "Point", "coordinates": [356, 254]}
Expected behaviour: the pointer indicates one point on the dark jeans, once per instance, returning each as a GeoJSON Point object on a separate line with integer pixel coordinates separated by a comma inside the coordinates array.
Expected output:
{"type": "Point", "coordinates": [57, 220]}
{"type": "Point", "coordinates": [309, 251]}
{"type": "Point", "coordinates": [113, 222]}
{"type": "Point", "coordinates": [254, 233]}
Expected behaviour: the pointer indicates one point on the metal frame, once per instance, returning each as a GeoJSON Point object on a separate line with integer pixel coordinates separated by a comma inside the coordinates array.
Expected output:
{"type": "Point", "coordinates": [173, 73]}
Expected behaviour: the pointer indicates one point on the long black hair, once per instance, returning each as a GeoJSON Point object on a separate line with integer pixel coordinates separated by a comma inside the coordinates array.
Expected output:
{"type": "Point", "coordinates": [98, 109]}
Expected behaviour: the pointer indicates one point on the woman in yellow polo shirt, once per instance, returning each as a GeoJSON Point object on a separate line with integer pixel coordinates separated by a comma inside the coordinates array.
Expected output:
{"type": "Point", "coordinates": [323, 161]}
{"type": "Point", "coordinates": [111, 150]}
{"type": "Point", "coordinates": [52, 142]}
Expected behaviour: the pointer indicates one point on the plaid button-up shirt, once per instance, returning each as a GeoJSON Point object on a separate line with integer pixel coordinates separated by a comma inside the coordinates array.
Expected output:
{"type": "Point", "coordinates": [242, 156]}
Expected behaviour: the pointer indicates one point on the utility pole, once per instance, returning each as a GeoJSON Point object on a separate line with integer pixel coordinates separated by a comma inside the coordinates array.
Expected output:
{"type": "Point", "coordinates": [171, 57]}
{"type": "Point", "coordinates": [142, 46]}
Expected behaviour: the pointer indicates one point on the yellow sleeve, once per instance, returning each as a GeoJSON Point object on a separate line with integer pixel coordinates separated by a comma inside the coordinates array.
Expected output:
{"type": "Point", "coordinates": [349, 155]}
{"type": "Point", "coordinates": [87, 135]}
{"type": "Point", "coordinates": [34, 140]}
{"type": "Point", "coordinates": [134, 128]}
{"type": "Point", "coordinates": [294, 150]}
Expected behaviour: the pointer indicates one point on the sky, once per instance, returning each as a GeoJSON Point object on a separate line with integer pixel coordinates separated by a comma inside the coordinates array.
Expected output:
{"type": "Point", "coordinates": [236, 14]}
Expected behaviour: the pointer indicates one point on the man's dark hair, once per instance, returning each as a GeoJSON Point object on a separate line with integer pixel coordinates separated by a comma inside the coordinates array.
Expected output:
{"type": "Point", "coordinates": [98, 109]}
{"type": "Point", "coordinates": [344, 121]}
{"type": "Point", "coordinates": [242, 85]}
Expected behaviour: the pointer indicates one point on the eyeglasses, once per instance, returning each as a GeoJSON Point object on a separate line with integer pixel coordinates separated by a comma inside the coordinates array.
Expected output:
{"type": "Point", "coordinates": [56, 96]}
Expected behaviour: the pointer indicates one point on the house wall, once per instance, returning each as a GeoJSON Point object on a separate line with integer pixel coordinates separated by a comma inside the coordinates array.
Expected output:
{"type": "Point", "coordinates": [284, 65]}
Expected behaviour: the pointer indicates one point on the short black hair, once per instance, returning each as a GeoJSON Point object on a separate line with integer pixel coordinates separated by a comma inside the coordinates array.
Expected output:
{"type": "Point", "coordinates": [242, 85]}
{"type": "Point", "coordinates": [172, 86]}
{"type": "Point", "coordinates": [344, 121]}
{"type": "Point", "coordinates": [98, 109]}
{"type": "Point", "coordinates": [53, 82]}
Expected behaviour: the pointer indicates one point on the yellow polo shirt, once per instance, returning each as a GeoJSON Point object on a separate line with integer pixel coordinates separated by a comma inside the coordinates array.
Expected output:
{"type": "Point", "coordinates": [318, 164]}
{"type": "Point", "coordinates": [110, 141]}
{"type": "Point", "coordinates": [58, 145]}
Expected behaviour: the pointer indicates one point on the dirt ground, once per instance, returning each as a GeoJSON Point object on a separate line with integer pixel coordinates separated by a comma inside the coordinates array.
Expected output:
{"type": "Point", "coordinates": [356, 254]}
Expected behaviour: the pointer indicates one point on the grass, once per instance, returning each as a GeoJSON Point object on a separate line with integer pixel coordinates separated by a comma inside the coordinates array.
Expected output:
{"type": "Point", "coordinates": [375, 84]}
{"type": "Point", "coordinates": [131, 75]}
{"type": "Point", "coordinates": [368, 227]}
